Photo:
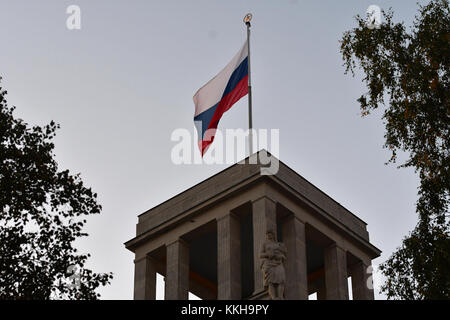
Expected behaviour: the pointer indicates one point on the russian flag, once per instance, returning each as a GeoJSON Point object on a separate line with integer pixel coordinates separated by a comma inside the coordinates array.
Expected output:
{"type": "Point", "coordinates": [218, 95]}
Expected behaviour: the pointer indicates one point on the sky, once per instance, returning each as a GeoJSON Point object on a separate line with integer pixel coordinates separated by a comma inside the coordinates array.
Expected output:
{"type": "Point", "coordinates": [122, 84]}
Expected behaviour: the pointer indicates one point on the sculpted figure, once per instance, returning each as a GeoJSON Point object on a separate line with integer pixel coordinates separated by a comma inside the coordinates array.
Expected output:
{"type": "Point", "coordinates": [272, 256]}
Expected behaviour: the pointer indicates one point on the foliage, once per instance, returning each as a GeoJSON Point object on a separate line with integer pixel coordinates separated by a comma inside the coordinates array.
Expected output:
{"type": "Point", "coordinates": [407, 75]}
{"type": "Point", "coordinates": [42, 214]}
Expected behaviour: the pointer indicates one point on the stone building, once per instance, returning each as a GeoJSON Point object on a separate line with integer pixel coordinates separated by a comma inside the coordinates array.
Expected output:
{"type": "Point", "coordinates": [206, 240]}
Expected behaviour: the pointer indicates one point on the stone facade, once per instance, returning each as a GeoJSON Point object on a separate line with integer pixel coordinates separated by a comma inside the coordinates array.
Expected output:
{"type": "Point", "coordinates": [207, 239]}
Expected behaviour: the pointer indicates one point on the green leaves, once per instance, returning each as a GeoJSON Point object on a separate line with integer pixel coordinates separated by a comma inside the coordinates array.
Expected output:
{"type": "Point", "coordinates": [407, 74]}
{"type": "Point", "coordinates": [42, 212]}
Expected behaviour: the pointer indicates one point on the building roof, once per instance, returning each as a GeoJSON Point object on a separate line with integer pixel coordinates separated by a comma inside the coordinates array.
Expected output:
{"type": "Point", "coordinates": [237, 176]}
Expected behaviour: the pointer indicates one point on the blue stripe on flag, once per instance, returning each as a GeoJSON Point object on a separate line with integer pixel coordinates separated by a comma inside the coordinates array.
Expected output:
{"type": "Point", "coordinates": [237, 75]}
{"type": "Point", "coordinates": [203, 120]}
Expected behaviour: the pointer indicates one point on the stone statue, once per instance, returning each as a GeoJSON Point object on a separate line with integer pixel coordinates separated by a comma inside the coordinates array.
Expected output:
{"type": "Point", "coordinates": [272, 256]}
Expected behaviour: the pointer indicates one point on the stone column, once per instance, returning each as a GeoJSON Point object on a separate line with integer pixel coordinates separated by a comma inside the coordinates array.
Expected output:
{"type": "Point", "coordinates": [177, 271]}
{"type": "Point", "coordinates": [228, 258]}
{"type": "Point", "coordinates": [362, 286]}
{"type": "Point", "coordinates": [336, 273]}
{"type": "Point", "coordinates": [296, 287]}
{"type": "Point", "coordinates": [264, 218]}
{"type": "Point", "coordinates": [145, 279]}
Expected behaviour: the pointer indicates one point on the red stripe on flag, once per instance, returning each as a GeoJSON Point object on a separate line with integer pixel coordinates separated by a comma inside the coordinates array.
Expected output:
{"type": "Point", "coordinates": [225, 104]}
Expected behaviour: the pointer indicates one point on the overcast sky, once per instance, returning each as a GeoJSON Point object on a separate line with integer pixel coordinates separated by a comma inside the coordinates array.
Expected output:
{"type": "Point", "coordinates": [124, 82]}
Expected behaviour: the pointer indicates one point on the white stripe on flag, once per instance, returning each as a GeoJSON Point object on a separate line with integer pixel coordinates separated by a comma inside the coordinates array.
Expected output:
{"type": "Point", "coordinates": [211, 93]}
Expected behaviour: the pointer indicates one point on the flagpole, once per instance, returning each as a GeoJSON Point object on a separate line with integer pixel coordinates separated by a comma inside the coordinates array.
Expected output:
{"type": "Point", "coordinates": [247, 19]}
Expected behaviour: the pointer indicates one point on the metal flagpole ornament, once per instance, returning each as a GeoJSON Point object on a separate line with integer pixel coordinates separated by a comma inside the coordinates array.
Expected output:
{"type": "Point", "coordinates": [247, 19]}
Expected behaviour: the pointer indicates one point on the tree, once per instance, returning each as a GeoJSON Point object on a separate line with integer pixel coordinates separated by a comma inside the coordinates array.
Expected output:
{"type": "Point", "coordinates": [42, 213]}
{"type": "Point", "coordinates": [407, 75]}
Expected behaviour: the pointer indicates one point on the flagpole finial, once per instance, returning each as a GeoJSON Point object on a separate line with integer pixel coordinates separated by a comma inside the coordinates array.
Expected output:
{"type": "Point", "coordinates": [247, 19]}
